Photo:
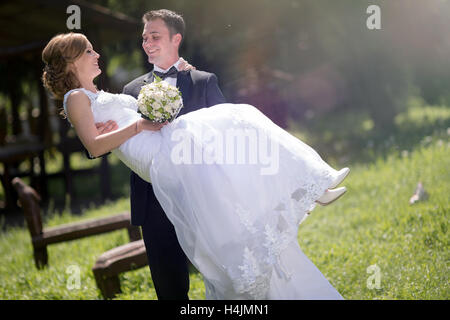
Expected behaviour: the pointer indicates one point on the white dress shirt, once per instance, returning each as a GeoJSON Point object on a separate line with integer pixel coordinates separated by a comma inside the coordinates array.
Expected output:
{"type": "Point", "coordinates": [170, 80]}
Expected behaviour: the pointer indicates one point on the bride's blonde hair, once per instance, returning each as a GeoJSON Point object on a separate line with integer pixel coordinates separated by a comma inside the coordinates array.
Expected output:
{"type": "Point", "coordinates": [58, 54]}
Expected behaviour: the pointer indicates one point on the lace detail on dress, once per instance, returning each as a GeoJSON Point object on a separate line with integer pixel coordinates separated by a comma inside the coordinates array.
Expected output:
{"type": "Point", "coordinates": [91, 95]}
{"type": "Point", "coordinates": [263, 257]}
{"type": "Point", "coordinates": [305, 196]}
{"type": "Point", "coordinates": [253, 281]}
{"type": "Point", "coordinates": [276, 241]}
{"type": "Point", "coordinates": [244, 216]}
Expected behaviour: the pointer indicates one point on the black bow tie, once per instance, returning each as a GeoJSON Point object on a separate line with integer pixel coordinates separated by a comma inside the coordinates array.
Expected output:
{"type": "Point", "coordinates": [172, 73]}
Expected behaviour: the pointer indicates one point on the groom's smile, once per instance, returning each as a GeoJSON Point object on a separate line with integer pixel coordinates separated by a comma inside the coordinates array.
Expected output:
{"type": "Point", "coordinates": [159, 44]}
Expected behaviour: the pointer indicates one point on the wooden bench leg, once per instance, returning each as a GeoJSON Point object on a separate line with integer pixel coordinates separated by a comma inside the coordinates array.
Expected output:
{"type": "Point", "coordinates": [112, 263]}
{"type": "Point", "coordinates": [109, 286]}
{"type": "Point", "coordinates": [134, 233]}
{"type": "Point", "coordinates": [40, 257]}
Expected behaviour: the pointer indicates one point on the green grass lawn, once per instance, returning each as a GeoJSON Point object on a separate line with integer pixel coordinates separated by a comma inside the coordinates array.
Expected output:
{"type": "Point", "coordinates": [373, 224]}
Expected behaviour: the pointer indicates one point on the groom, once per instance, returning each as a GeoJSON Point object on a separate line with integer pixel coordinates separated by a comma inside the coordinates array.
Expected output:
{"type": "Point", "coordinates": [161, 38]}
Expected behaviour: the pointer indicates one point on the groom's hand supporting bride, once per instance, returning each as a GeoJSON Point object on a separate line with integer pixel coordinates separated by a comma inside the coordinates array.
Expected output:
{"type": "Point", "coordinates": [105, 127]}
{"type": "Point", "coordinates": [102, 128]}
{"type": "Point", "coordinates": [111, 125]}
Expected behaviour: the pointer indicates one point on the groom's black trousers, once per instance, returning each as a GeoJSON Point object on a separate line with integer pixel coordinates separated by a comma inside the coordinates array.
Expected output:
{"type": "Point", "coordinates": [167, 261]}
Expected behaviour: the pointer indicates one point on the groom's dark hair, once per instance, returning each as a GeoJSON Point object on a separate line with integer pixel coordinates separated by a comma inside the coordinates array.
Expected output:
{"type": "Point", "coordinates": [174, 21]}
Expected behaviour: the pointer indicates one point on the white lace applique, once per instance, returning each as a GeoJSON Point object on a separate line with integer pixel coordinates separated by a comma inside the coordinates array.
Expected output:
{"type": "Point", "coordinates": [271, 240]}
{"type": "Point", "coordinates": [275, 242]}
{"type": "Point", "coordinates": [107, 98]}
{"type": "Point", "coordinates": [244, 216]}
{"type": "Point", "coordinates": [302, 199]}
{"type": "Point", "coordinates": [255, 275]}
{"type": "Point", "coordinates": [253, 280]}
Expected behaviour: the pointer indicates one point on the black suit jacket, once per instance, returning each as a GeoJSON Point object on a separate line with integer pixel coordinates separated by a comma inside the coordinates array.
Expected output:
{"type": "Point", "coordinates": [199, 90]}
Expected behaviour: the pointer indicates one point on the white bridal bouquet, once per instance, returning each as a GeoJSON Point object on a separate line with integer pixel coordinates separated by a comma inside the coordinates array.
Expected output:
{"type": "Point", "coordinates": [159, 101]}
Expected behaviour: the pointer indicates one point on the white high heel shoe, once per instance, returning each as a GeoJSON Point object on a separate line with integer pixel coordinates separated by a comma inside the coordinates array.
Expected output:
{"type": "Point", "coordinates": [331, 195]}
{"type": "Point", "coordinates": [343, 173]}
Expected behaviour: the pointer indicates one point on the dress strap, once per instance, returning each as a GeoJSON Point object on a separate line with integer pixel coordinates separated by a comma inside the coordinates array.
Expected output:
{"type": "Point", "coordinates": [91, 95]}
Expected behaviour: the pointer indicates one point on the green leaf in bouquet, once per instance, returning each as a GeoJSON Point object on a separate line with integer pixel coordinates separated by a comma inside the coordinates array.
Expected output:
{"type": "Point", "coordinates": [157, 79]}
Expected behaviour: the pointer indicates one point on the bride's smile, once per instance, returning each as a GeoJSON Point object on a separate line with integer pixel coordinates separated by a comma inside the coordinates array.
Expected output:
{"type": "Point", "coordinates": [86, 65]}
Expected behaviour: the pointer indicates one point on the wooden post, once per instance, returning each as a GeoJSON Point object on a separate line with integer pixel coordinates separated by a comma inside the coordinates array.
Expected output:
{"type": "Point", "coordinates": [103, 83]}
{"type": "Point", "coordinates": [109, 286]}
{"type": "Point", "coordinates": [40, 257]}
{"type": "Point", "coordinates": [134, 233]}
{"type": "Point", "coordinates": [10, 197]}
{"type": "Point", "coordinates": [63, 128]}
{"type": "Point", "coordinates": [3, 125]}
{"type": "Point", "coordinates": [14, 96]}
{"type": "Point", "coordinates": [44, 129]}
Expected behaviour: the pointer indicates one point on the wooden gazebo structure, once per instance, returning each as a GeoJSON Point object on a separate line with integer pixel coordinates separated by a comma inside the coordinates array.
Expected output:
{"type": "Point", "coordinates": [25, 28]}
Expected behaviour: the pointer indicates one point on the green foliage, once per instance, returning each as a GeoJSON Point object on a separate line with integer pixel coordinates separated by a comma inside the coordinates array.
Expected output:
{"type": "Point", "coordinates": [130, 61]}
{"type": "Point", "coordinates": [349, 136]}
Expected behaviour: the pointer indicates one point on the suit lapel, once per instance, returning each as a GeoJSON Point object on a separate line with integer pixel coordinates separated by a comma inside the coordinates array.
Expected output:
{"type": "Point", "coordinates": [148, 79]}
{"type": "Point", "coordinates": [184, 84]}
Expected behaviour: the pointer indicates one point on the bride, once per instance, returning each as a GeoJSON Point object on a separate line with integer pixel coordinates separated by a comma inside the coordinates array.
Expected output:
{"type": "Point", "coordinates": [236, 222]}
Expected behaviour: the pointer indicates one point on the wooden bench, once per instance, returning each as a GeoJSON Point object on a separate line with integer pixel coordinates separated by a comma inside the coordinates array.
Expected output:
{"type": "Point", "coordinates": [13, 154]}
{"type": "Point", "coordinates": [40, 238]}
{"type": "Point", "coordinates": [109, 265]}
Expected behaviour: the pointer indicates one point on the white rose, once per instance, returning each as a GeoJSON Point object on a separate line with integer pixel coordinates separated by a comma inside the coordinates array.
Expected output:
{"type": "Point", "coordinates": [157, 105]}
{"type": "Point", "coordinates": [157, 114]}
{"type": "Point", "coordinates": [168, 108]}
{"type": "Point", "coordinates": [164, 84]}
{"type": "Point", "coordinates": [172, 93]}
{"type": "Point", "coordinates": [158, 96]}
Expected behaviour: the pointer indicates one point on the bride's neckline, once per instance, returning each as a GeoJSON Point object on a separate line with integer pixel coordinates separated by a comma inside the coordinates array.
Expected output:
{"type": "Point", "coordinates": [97, 92]}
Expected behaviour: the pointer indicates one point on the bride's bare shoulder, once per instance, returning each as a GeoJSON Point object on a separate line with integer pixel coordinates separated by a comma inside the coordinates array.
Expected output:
{"type": "Point", "coordinates": [77, 102]}
{"type": "Point", "coordinates": [77, 97]}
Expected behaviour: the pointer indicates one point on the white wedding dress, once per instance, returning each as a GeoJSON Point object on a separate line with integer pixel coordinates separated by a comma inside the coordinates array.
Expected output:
{"type": "Point", "coordinates": [237, 221]}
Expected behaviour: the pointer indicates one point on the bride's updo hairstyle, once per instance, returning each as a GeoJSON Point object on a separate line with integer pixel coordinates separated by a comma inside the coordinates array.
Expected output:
{"type": "Point", "coordinates": [58, 54]}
